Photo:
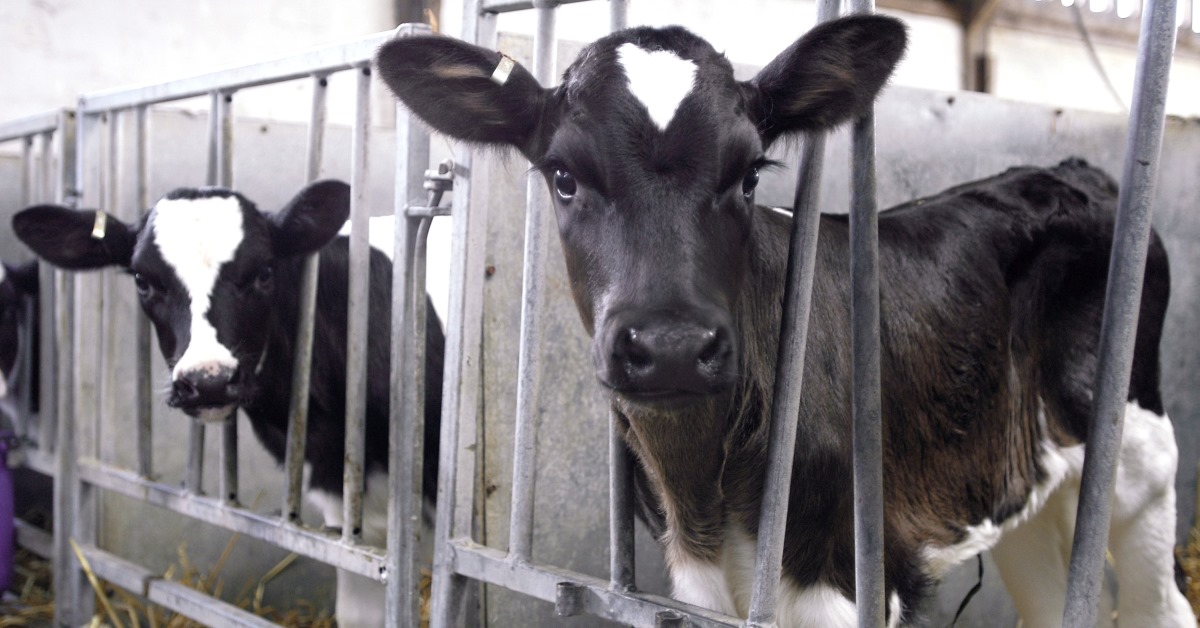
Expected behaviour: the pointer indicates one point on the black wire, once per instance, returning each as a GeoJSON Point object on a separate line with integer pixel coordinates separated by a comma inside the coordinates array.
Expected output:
{"type": "Point", "coordinates": [970, 594]}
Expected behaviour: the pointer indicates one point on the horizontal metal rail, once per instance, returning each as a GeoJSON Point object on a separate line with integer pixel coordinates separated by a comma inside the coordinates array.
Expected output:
{"type": "Point", "coordinates": [575, 593]}
{"type": "Point", "coordinates": [175, 596]}
{"type": "Point", "coordinates": [511, 6]}
{"type": "Point", "coordinates": [47, 122]}
{"type": "Point", "coordinates": [34, 538]}
{"type": "Point", "coordinates": [326, 547]}
{"type": "Point", "coordinates": [320, 61]}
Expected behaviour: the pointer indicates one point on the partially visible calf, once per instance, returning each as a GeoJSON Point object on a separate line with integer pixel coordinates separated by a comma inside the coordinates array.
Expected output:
{"type": "Point", "coordinates": [17, 283]}
{"type": "Point", "coordinates": [991, 296]}
{"type": "Point", "coordinates": [220, 282]}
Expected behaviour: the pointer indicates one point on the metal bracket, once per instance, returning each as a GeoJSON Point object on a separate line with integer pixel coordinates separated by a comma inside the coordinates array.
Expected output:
{"type": "Point", "coordinates": [437, 182]}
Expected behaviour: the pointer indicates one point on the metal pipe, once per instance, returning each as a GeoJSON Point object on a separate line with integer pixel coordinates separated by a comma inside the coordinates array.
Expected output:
{"type": "Point", "coordinates": [618, 14]}
{"type": "Point", "coordinates": [224, 104]}
{"type": "Point", "coordinates": [356, 332]}
{"type": "Point", "coordinates": [620, 510]}
{"type": "Point", "coordinates": [306, 323]}
{"type": "Point", "coordinates": [789, 375]}
{"type": "Point", "coordinates": [1122, 303]}
{"type": "Point", "coordinates": [866, 404]}
{"type": "Point", "coordinates": [229, 459]}
{"type": "Point", "coordinates": [195, 458]}
{"type": "Point", "coordinates": [529, 365]}
{"type": "Point", "coordinates": [145, 396]}
{"type": "Point", "coordinates": [407, 389]}
{"type": "Point", "coordinates": [461, 385]}
{"type": "Point", "coordinates": [27, 169]}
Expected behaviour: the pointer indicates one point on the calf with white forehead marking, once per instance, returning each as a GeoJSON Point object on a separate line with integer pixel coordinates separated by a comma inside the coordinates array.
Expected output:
{"type": "Point", "coordinates": [220, 282]}
{"type": "Point", "coordinates": [990, 293]}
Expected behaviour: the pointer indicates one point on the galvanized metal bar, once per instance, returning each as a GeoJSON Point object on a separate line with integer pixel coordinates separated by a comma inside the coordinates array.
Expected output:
{"type": "Point", "coordinates": [229, 459]}
{"type": "Point", "coordinates": [144, 441]}
{"type": "Point", "coordinates": [407, 379]}
{"type": "Point", "coordinates": [320, 61]}
{"type": "Point", "coordinates": [37, 124]}
{"type": "Point", "coordinates": [194, 480]}
{"type": "Point", "coordinates": [68, 584]}
{"type": "Point", "coordinates": [320, 545]}
{"type": "Point", "coordinates": [27, 348]}
{"type": "Point", "coordinates": [621, 563]}
{"type": "Point", "coordinates": [189, 602]}
{"type": "Point", "coordinates": [305, 328]}
{"type": "Point", "coordinates": [538, 213]}
{"type": "Point", "coordinates": [28, 167]}
{"type": "Point", "coordinates": [867, 349]}
{"type": "Point", "coordinates": [593, 595]}
{"type": "Point", "coordinates": [34, 538]}
{"type": "Point", "coordinates": [622, 574]}
{"type": "Point", "coordinates": [461, 388]}
{"type": "Point", "coordinates": [789, 375]}
{"type": "Point", "coordinates": [1122, 303]}
{"type": "Point", "coordinates": [49, 293]}
{"type": "Point", "coordinates": [356, 333]}
{"type": "Point", "coordinates": [618, 16]}
{"type": "Point", "coordinates": [510, 6]}
{"type": "Point", "coordinates": [214, 138]}
{"type": "Point", "coordinates": [47, 165]}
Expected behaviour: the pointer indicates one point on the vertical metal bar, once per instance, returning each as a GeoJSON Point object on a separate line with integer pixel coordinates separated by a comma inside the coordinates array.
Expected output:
{"type": "Point", "coordinates": [618, 14]}
{"type": "Point", "coordinates": [461, 384]}
{"type": "Point", "coordinates": [789, 375]}
{"type": "Point", "coordinates": [622, 572]}
{"type": "Point", "coordinates": [25, 355]}
{"type": "Point", "coordinates": [865, 371]}
{"type": "Point", "coordinates": [46, 167]}
{"type": "Point", "coordinates": [407, 383]}
{"type": "Point", "coordinates": [620, 510]}
{"type": "Point", "coordinates": [302, 361]}
{"type": "Point", "coordinates": [28, 167]}
{"type": "Point", "coordinates": [1121, 308]}
{"type": "Point", "coordinates": [538, 212]}
{"type": "Point", "coordinates": [194, 479]}
{"type": "Point", "coordinates": [144, 437]}
{"type": "Point", "coordinates": [356, 332]}
{"type": "Point", "coordinates": [51, 385]}
{"type": "Point", "coordinates": [224, 172]}
{"type": "Point", "coordinates": [71, 605]}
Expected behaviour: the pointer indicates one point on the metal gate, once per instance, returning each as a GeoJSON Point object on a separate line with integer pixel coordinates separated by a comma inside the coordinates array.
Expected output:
{"type": "Point", "coordinates": [460, 560]}
{"type": "Point", "coordinates": [47, 173]}
{"type": "Point", "coordinates": [105, 122]}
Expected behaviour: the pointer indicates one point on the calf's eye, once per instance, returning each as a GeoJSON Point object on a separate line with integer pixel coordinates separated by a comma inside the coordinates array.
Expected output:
{"type": "Point", "coordinates": [142, 284]}
{"type": "Point", "coordinates": [564, 185]}
{"type": "Point", "coordinates": [749, 182]}
{"type": "Point", "coordinates": [264, 277]}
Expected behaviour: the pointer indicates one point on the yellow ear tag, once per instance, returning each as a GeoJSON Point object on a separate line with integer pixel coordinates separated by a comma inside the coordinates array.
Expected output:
{"type": "Point", "coordinates": [100, 226]}
{"type": "Point", "coordinates": [503, 70]}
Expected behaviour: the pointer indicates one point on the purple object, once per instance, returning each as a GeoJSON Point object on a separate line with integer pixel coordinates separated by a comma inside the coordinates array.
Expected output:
{"type": "Point", "coordinates": [7, 540]}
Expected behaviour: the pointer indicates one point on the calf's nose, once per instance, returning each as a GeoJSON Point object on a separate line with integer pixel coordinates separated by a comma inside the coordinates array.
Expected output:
{"type": "Point", "coordinates": [204, 388]}
{"type": "Point", "coordinates": [671, 357]}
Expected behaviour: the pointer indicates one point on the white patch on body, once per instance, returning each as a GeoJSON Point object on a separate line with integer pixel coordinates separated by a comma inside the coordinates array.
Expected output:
{"type": "Point", "coordinates": [660, 79]}
{"type": "Point", "coordinates": [361, 601]}
{"type": "Point", "coordinates": [725, 586]}
{"type": "Point", "coordinates": [196, 237]}
{"type": "Point", "coordinates": [1059, 464]}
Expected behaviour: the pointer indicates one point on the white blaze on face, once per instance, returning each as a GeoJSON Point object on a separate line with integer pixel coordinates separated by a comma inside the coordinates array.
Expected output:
{"type": "Point", "coordinates": [658, 78]}
{"type": "Point", "coordinates": [196, 237]}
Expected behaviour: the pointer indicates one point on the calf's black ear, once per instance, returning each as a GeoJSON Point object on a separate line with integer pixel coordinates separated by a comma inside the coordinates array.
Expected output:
{"type": "Point", "coordinates": [462, 90]}
{"type": "Point", "coordinates": [311, 219]}
{"type": "Point", "coordinates": [24, 276]}
{"type": "Point", "coordinates": [830, 75]}
{"type": "Point", "coordinates": [75, 239]}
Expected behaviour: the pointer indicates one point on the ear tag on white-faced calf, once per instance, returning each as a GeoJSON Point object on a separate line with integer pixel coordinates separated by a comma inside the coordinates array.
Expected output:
{"type": "Point", "coordinates": [100, 226]}
{"type": "Point", "coordinates": [504, 69]}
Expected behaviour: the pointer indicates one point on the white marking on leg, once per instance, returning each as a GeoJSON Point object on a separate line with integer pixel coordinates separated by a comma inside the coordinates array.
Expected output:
{"type": "Point", "coordinates": [197, 236]}
{"type": "Point", "coordinates": [660, 79]}
{"type": "Point", "coordinates": [1033, 558]}
{"type": "Point", "coordinates": [361, 601]}
{"type": "Point", "coordinates": [1142, 535]}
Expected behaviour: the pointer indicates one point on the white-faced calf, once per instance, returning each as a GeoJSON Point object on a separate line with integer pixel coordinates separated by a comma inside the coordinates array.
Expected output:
{"type": "Point", "coordinates": [991, 298]}
{"type": "Point", "coordinates": [220, 281]}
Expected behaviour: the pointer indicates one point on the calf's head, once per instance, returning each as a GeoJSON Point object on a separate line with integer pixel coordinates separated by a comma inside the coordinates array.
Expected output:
{"type": "Point", "coordinates": [204, 262]}
{"type": "Point", "coordinates": [652, 151]}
